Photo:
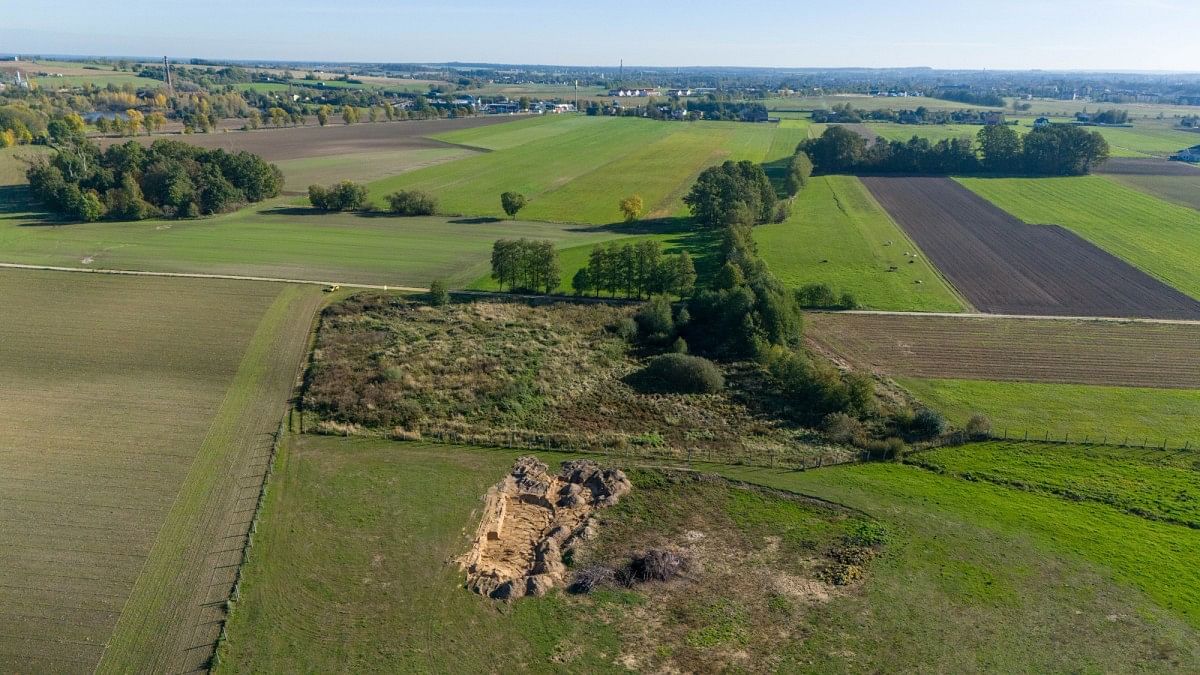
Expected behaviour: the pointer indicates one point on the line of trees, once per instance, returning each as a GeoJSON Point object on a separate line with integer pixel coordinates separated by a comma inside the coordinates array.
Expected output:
{"type": "Point", "coordinates": [636, 269]}
{"type": "Point", "coordinates": [343, 196]}
{"type": "Point", "coordinates": [526, 265]}
{"type": "Point", "coordinates": [170, 179]}
{"type": "Point", "coordinates": [1052, 150]}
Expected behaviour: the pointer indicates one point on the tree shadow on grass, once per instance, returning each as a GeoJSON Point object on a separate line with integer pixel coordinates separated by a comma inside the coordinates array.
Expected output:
{"type": "Point", "coordinates": [17, 204]}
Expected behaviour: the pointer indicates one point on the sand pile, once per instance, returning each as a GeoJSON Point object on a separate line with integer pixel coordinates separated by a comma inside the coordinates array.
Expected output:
{"type": "Point", "coordinates": [530, 519]}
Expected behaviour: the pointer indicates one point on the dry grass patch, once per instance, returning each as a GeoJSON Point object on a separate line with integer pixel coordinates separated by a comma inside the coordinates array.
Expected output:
{"type": "Point", "coordinates": [512, 373]}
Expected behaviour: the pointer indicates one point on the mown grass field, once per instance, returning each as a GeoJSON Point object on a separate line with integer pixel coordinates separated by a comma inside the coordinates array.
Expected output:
{"type": "Point", "coordinates": [135, 427]}
{"type": "Point", "coordinates": [1008, 580]}
{"type": "Point", "coordinates": [1147, 139]}
{"type": "Point", "coordinates": [1139, 414]}
{"type": "Point", "coordinates": [838, 234]}
{"type": "Point", "coordinates": [934, 132]}
{"type": "Point", "coordinates": [577, 169]}
{"type": "Point", "coordinates": [1161, 238]}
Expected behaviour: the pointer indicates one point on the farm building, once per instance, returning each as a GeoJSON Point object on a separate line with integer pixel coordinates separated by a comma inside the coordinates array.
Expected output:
{"type": "Point", "coordinates": [506, 108]}
{"type": "Point", "coordinates": [1191, 154]}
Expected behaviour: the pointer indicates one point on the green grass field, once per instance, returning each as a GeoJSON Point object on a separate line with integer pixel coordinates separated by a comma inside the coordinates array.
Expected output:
{"type": "Point", "coordinates": [1161, 238]}
{"type": "Point", "coordinates": [362, 167]}
{"type": "Point", "coordinates": [1007, 580]}
{"type": "Point", "coordinates": [131, 422]}
{"type": "Point", "coordinates": [934, 132]}
{"type": "Point", "coordinates": [864, 102]}
{"type": "Point", "coordinates": [1152, 484]}
{"type": "Point", "coordinates": [835, 219]}
{"type": "Point", "coordinates": [1146, 139]}
{"type": "Point", "coordinates": [1097, 412]}
{"type": "Point", "coordinates": [276, 240]}
{"type": "Point", "coordinates": [577, 169]}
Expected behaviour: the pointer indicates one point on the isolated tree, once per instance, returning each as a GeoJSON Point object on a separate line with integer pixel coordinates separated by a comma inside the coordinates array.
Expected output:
{"type": "Point", "coordinates": [323, 114]}
{"type": "Point", "coordinates": [631, 208]}
{"type": "Point", "coordinates": [349, 114]}
{"type": "Point", "coordinates": [155, 121]}
{"type": "Point", "coordinates": [512, 203]}
{"type": "Point", "coordinates": [524, 103]}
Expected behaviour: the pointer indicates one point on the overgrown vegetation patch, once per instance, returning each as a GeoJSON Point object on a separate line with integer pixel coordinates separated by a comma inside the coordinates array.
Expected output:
{"type": "Point", "coordinates": [514, 373]}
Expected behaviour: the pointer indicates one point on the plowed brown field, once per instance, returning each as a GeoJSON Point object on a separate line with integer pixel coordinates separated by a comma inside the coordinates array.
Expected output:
{"type": "Point", "coordinates": [1004, 266]}
{"type": "Point", "coordinates": [335, 139]}
{"type": "Point", "coordinates": [1030, 350]}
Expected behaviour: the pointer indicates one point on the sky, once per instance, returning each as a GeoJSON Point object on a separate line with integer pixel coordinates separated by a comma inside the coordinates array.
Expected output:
{"type": "Point", "coordinates": [1121, 35]}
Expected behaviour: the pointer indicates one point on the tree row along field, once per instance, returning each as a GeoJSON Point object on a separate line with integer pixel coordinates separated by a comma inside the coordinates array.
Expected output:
{"type": "Point", "coordinates": [1156, 236]}
{"type": "Point", "coordinates": [1030, 350]}
{"type": "Point", "coordinates": [133, 420]}
{"type": "Point", "coordinates": [1006, 266]}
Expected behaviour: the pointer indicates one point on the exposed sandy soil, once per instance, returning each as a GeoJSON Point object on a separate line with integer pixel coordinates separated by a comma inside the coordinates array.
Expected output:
{"type": "Point", "coordinates": [1030, 350]}
{"type": "Point", "coordinates": [335, 139]}
{"type": "Point", "coordinates": [1004, 266]}
{"type": "Point", "coordinates": [529, 518]}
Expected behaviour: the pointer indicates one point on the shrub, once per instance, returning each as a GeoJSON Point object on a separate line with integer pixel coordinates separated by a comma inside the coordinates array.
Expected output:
{"type": "Point", "coordinates": [438, 295]}
{"type": "Point", "coordinates": [412, 203]}
{"type": "Point", "coordinates": [927, 424]}
{"type": "Point", "coordinates": [654, 320]}
{"type": "Point", "coordinates": [344, 196]}
{"type": "Point", "coordinates": [816, 295]}
{"type": "Point", "coordinates": [783, 211]}
{"type": "Point", "coordinates": [680, 346]}
{"type": "Point", "coordinates": [655, 565]}
{"type": "Point", "coordinates": [979, 426]}
{"type": "Point", "coordinates": [888, 448]}
{"type": "Point", "coordinates": [626, 329]}
{"type": "Point", "coordinates": [683, 374]}
{"type": "Point", "coordinates": [842, 428]}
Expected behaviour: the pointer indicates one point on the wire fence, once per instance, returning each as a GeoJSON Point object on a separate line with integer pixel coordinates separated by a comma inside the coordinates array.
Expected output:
{"type": "Point", "coordinates": [1066, 438]}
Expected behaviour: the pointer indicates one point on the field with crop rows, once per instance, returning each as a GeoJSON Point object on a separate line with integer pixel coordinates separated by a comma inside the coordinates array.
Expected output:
{"type": "Point", "coordinates": [135, 431]}
{"type": "Point", "coordinates": [838, 234]}
{"type": "Point", "coordinates": [1160, 238]}
{"type": "Point", "coordinates": [1030, 350]}
{"type": "Point", "coordinates": [1006, 266]}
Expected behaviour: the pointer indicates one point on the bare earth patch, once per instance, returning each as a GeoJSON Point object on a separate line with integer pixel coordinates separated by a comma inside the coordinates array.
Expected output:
{"type": "Point", "coordinates": [530, 517]}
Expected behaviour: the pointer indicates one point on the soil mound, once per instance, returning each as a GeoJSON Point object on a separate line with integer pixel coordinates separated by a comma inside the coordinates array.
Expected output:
{"type": "Point", "coordinates": [530, 519]}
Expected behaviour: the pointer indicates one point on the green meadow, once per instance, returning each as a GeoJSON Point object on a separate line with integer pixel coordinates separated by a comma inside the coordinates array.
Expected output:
{"type": "Point", "coordinates": [1141, 415]}
{"type": "Point", "coordinates": [838, 234]}
{"type": "Point", "coordinates": [276, 240]}
{"type": "Point", "coordinates": [1008, 579]}
{"type": "Point", "coordinates": [1159, 237]}
{"type": "Point", "coordinates": [577, 169]}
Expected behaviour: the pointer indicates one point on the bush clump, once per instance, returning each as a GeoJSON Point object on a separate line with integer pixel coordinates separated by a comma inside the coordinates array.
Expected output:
{"type": "Point", "coordinates": [979, 426]}
{"type": "Point", "coordinates": [927, 424]}
{"type": "Point", "coordinates": [682, 374]}
{"type": "Point", "coordinates": [438, 295]}
{"type": "Point", "coordinates": [344, 196]}
{"type": "Point", "coordinates": [412, 203]}
{"type": "Point", "coordinates": [822, 296]}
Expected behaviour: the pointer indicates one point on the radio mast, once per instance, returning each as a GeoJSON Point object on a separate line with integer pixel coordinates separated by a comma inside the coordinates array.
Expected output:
{"type": "Point", "coordinates": [167, 70]}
